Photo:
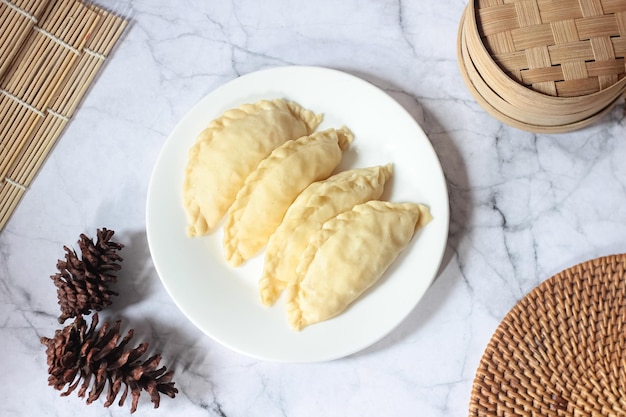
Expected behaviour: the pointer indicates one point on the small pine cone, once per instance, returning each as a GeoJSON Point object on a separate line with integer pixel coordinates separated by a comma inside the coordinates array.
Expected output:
{"type": "Point", "coordinates": [94, 357]}
{"type": "Point", "coordinates": [83, 284]}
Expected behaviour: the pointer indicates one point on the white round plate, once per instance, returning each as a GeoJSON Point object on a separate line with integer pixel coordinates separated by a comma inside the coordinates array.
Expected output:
{"type": "Point", "coordinates": [223, 301]}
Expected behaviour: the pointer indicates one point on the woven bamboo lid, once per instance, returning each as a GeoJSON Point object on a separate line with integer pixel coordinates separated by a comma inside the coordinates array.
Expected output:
{"type": "Point", "coordinates": [561, 351]}
{"type": "Point", "coordinates": [544, 65]}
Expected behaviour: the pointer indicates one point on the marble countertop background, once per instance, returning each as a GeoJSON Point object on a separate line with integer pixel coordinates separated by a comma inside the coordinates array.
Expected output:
{"type": "Point", "coordinates": [523, 207]}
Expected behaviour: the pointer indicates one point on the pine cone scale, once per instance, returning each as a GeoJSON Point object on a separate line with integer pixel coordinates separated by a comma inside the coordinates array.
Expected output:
{"type": "Point", "coordinates": [86, 380]}
{"type": "Point", "coordinates": [99, 383]}
{"type": "Point", "coordinates": [138, 352]}
{"type": "Point", "coordinates": [115, 384]}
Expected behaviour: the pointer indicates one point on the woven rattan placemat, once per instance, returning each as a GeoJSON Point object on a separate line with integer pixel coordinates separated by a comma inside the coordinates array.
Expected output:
{"type": "Point", "coordinates": [561, 351]}
{"type": "Point", "coordinates": [50, 52]}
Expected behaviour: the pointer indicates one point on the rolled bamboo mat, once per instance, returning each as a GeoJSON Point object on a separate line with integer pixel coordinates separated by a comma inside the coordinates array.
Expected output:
{"type": "Point", "coordinates": [561, 351]}
{"type": "Point", "coordinates": [47, 78]}
{"type": "Point", "coordinates": [546, 66]}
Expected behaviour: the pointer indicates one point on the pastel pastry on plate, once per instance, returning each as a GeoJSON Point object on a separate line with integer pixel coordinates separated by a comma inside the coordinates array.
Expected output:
{"type": "Point", "coordinates": [347, 256]}
{"type": "Point", "coordinates": [318, 203]}
{"type": "Point", "coordinates": [229, 149]}
{"type": "Point", "coordinates": [272, 187]}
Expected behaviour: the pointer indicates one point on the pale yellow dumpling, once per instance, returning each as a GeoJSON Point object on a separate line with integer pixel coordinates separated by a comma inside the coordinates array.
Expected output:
{"type": "Point", "coordinates": [271, 188]}
{"type": "Point", "coordinates": [318, 203]}
{"type": "Point", "coordinates": [229, 149]}
{"type": "Point", "coordinates": [347, 256]}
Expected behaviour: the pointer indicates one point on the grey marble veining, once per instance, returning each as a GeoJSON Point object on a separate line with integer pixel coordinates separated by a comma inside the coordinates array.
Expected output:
{"type": "Point", "coordinates": [523, 207]}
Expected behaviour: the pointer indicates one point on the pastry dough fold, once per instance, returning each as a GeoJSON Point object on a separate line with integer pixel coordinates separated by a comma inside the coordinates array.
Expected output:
{"type": "Point", "coordinates": [347, 256]}
{"type": "Point", "coordinates": [229, 149]}
{"type": "Point", "coordinates": [270, 189]}
{"type": "Point", "coordinates": [318, 203]}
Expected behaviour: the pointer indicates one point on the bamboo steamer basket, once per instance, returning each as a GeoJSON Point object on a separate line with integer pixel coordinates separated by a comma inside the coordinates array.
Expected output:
{"type": "Point", "coordinates": [545, 66]}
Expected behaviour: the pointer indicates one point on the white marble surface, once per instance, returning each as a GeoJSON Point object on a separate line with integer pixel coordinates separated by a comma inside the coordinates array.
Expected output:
{"type": "Point", "coordinates": [523, 207]}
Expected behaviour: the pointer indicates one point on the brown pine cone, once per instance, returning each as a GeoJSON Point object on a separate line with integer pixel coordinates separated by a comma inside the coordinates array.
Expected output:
{"type": "Point", "coordinates": [79, 354]}
{"type": "Point", "coordinates": [83, 282]}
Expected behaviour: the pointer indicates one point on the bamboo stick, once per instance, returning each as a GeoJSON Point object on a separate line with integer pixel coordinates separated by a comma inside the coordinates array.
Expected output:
{"type": "Point", "coordinates": [9, 199]}
{"type": "Point", "coordinates": [17, 139]}
{"type": "Point", "coordinates": [36, 150]}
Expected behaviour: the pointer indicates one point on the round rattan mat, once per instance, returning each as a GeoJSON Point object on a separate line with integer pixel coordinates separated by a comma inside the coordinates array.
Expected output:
{"type": "Point", "coordinates": [561, 351]}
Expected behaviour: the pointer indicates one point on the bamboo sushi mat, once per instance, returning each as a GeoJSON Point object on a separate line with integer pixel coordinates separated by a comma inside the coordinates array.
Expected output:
{"type": "Point", "coordinates": [561, 351]}
{"type": "Point", "coordinates": [50, 52]}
